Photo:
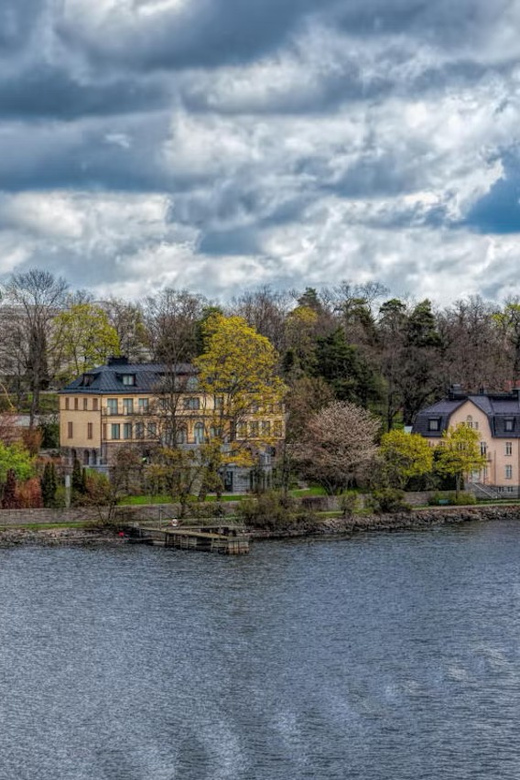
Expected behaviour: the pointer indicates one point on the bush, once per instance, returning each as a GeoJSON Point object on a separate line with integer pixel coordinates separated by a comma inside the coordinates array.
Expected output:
{"type": "Point", "coordinates": [273, 512]}
{"type": "Point", "coordinates": [348, 503]}
{"type": "Point", "coordinates": [388, 501]}
{"type": "Point", "coordinates": [451, 499]}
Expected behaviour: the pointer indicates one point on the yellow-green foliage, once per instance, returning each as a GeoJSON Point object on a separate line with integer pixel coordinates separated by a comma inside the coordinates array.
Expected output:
{"type": "Point", "coordinates": [84, 338]}
{"type": "Point", "coordinates": [458, 452]}
{"type": "Point", "coordinates": [405, 455]}
{"type": "Point", "coordinates": [239, 366]}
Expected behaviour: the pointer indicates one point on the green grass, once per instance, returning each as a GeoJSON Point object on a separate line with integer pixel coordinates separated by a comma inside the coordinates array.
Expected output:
{"type": "Point", "coordinates": [40, 526]}
{"type": "Point", "coordinates": [166, 499]}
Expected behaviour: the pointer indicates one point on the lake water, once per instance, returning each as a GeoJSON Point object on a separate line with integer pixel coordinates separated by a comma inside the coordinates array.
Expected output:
{"type": "Point", "coordinates": [385, 657]}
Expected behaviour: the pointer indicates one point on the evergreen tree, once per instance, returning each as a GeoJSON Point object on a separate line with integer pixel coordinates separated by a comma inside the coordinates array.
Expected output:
{"type": "Point", "coordinates": [49, 485]}
{"type": "Point", "coordinates": [9, 500]}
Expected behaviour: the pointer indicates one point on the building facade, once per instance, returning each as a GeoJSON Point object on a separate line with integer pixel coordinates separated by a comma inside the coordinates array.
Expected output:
{"type": "Point", "coordinates": [496, 417]}
{"type": "Point", "coordinates": [148, 406]}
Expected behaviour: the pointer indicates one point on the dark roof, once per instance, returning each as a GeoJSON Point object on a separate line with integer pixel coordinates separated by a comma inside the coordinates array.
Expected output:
{"type": "Point", "coordinates": [497, 408]}
{"type": "Point", "coordinates": [148, 378]}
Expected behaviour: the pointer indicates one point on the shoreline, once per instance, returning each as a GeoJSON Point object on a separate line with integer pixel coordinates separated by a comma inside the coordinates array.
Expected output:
{"type": "Point", "coordinates": [416, 520]}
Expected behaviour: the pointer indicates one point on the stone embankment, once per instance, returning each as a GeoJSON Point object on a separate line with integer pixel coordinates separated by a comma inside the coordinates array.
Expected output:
{"type": "Point", "coordinates": [419, 519]}
{"type": "Point", "coordinates": [52, 537]}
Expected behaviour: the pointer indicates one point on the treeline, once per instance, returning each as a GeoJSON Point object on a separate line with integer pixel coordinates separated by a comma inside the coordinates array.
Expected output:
{"type": "Point", "coordinates": [347, 342]}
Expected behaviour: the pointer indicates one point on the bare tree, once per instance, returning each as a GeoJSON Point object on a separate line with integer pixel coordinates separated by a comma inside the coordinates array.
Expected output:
{"type": "Point", "coordinates": [35, 298]}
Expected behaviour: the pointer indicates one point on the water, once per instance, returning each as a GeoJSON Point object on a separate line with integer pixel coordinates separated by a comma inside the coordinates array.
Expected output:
{"type": "Point", "coordinates": [390, 656]}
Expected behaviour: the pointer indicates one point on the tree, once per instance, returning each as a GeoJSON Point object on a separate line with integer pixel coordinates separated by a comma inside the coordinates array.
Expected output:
{"type": "Point", "coordinates": [49, 484]}
{"type": "Point", "coordinates": [345, 369]}
{"type": "Point", "coordinates": [35, 298]}
{"type": "Point", "coordinates": [458, 453]}
{"type": "Point", "coordinates": [404, 456]}
{"type": "Point", "coordinates": [336, 442]}
{"type": "Point", "coordinates": [16, 458]}
{"type": "Point", "coordinates": [9, 500]}
{"type": "Point", "coordinates": [85, 338]}
{"type": "Point", "coordinates": [239, 368]}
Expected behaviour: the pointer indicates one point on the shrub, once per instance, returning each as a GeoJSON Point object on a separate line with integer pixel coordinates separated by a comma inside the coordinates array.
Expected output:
{"type": "Point", "coordinates": [273, 512]}
{"type": "Point", "coordinates": [348, 503]}
{"type": "Point", "coordinates": [388, 501]}
{"type": "Point", "coordinates": [29, 494]}
{"type": "Point", "coordinates": [451, 499]}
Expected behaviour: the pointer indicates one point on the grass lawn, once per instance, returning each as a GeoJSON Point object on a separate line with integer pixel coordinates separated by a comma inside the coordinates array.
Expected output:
{"type": "Point", "coordinates": [166, 499]}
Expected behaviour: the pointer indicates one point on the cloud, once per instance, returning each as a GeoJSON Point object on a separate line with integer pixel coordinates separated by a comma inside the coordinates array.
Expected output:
{"type": "Point", "coordinates": [216, 143]}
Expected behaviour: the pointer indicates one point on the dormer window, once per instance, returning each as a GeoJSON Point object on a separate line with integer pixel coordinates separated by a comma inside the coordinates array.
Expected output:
{"type": "Point", "coordinates": [128, 379]}
{"type": "Point", "coordinates": [87, 380]}
{"type": "Point", "coordinates": [509, 424]}
{"type": "Point", "coordinates": [434, 424]}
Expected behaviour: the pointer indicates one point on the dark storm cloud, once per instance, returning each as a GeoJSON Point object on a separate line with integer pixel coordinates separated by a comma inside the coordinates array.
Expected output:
{"type": "Point", "coordinates": [18, 20]}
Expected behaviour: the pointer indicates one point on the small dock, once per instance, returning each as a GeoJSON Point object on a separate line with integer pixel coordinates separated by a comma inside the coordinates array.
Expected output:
{"type": "Point", "coordinates": [222, 539]}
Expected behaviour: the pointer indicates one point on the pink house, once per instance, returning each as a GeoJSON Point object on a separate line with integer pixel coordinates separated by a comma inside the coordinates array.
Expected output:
{"type": "Point", "coordinates": [496, 417]}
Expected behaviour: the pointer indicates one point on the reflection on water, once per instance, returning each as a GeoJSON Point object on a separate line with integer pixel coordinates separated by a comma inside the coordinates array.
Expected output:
{"type": "Point", "coordinates": [390, 656]}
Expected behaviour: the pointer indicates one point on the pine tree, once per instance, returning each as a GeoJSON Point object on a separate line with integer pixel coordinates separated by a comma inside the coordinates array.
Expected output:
{"type": "Point", "coordinates": [49, 485]}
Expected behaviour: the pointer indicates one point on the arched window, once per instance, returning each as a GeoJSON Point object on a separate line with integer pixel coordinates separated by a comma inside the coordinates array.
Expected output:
{"type": "Point", "coordinates": [199, 433]}
{"type": "Point", "coordinates": [469, 421]}
{"type": "Point", "coordinates": [86, 457]}
{"type": "Point", "coordinates": [182, 435]}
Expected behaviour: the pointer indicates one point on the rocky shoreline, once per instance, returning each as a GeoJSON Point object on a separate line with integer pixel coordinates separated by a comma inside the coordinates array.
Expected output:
{"type": "Point", "coordinates": [417, 520]}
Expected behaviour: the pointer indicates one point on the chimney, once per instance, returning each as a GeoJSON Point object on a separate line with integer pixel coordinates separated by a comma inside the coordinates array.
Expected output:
{"type": "Point", "coordinates": [120, 360]}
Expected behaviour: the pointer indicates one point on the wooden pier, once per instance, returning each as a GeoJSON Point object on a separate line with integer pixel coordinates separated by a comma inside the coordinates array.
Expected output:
{"type": "Point", "coordinates": [222, 539]}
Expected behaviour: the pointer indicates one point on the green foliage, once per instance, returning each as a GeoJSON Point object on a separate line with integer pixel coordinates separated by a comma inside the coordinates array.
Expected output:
{"type": "Point", "coordinates": [274, 512]}
{"type": "Point", "coordinates": [452, 499]}
{"type": "Point", "coordinates": [459, 453]}
{"type": "Point", "coordinates": [343, 367]}
{"type": "Point", "coordinates": [49, 485]}
{"type": "Point", "coordinates": [50, 433]}
{"type": "Point", "coordinates": [348, 503]}
{"type": "Point", "coordinates": [85, 337]}
{"type": "Point", "coordinates": [388, 501]}
{"type": "Point", "coordinates": [16, 458]}
{"type": "Point", "coordinates": [404, 456]}
{"type": "Point", "coordinates": [78, 479]}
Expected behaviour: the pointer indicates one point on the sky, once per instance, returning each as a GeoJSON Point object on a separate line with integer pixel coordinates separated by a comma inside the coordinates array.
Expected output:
{"type": "Point", "coordinates": [223, 145]}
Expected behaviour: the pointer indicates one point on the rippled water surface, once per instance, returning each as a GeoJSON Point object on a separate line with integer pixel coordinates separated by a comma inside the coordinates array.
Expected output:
{"type": "Point", "coordinates": [384, 657]}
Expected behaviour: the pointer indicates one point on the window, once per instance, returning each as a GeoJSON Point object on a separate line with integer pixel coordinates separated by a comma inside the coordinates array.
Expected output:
{"type": "Point", "coordinates": [278, 429]}
{"type": "Point", "coordinates": [128, 405]}
{"type": "Point", "coordinates": [434, 424]}
{"type": "Point", "coordinates": [139, 430]}
{"type": "Point", "coordinates": [509, 424]}
{"type": "Point", "coordinates": [509, 472]}
{"type": "Point", "coordinates": [215, 432]}
{"type": "Point", "coordinates": [127, 431]}
{"type": "Point", "coordinates": [266, 428]}
{"type": "Point", "coordinates": [509, 447]}
{"type": "Point", "coordinates": [143, 405]}
{"type": "Point", "coordinates": [85, 404]}
{"type": "Point", "coordinates": [90, 431]}
{"type": "Point", "coordinates": [112, 405]}
{"type": "Point", "coordinates": [67, 403]}
{"type": "Point", "coordinates": [152, 430]}
{"type": "Point", "coordinates": [192, 383]}
{"type": "Point", "coordinates": [199, 433]}
{"type": "Point", "coordinates": [483, 448]}
{"type": "Point", "coordinates": [76, 403]}
{"type": "Point", "coordinates": [182, 435]}
{"type": "Point", "coordinates": [241, 430]}
{"type": "Point", "coordinates": [70, 430]}
{"type": "Point", "coordinates": [115, 431]}
{"type": "Point", "coordinates": [128, 379]}
{"type": "Point", "coordinates": [253, 429]}
{"type": "Point", "coordinates": [95, 404]}
{"type": "Point", "coordinates": [469, 421]}
{"type": "Point", "coordinates": [192, 403]}
{"type": "Point", "coordinates": [219, 402]}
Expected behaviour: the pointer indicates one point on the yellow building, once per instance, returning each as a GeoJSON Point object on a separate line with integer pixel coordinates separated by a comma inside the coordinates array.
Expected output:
{"type": "Point", "coordinates": [147, 406]}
